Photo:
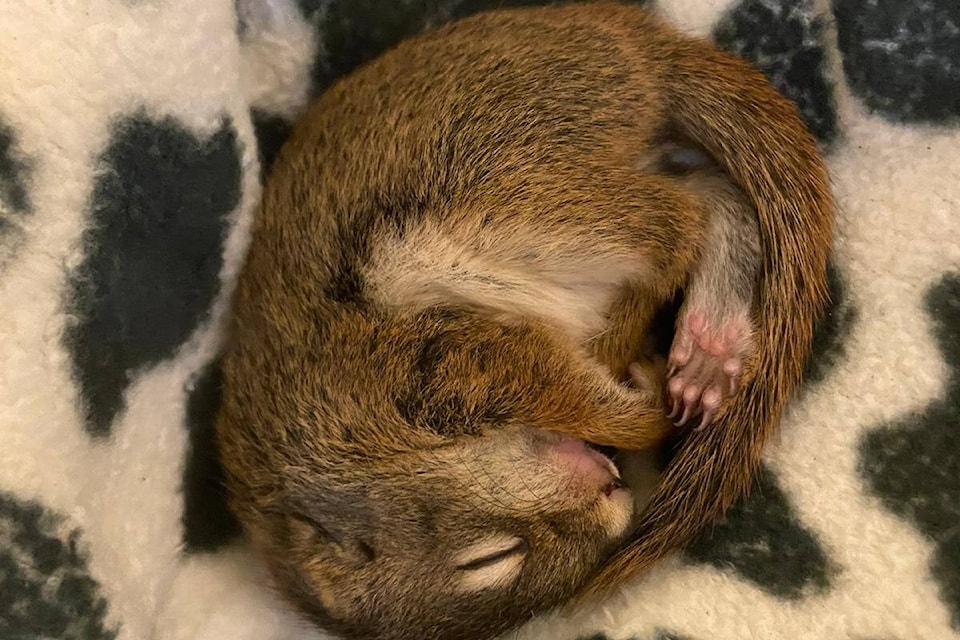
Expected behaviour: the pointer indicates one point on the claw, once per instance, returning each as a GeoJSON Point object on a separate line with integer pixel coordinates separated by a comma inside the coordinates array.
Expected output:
{"type": "Point", "coordinates": [734, 385]}
{"type": "Point", "coordinates": [675, 408]}
{"type": "Point", "coordinates": [705, 419]}
{"type": "Point", "coordinates": [687, 414]}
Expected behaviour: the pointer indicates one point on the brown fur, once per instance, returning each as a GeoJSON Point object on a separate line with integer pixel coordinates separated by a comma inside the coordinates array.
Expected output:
{"type": "Point", "coordinates": [457, 246]}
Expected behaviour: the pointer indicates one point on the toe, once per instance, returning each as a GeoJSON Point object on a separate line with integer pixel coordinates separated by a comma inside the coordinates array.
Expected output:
{"type": "Point", "coordinates": [711, 399]}
{"type": "Point", "coordinates": [675, 386]}
{"type": "Point", "coordinates": [732, 367]}
{"type": "Point", "coordinates": [692, 393]}
{"type": "Point", "coordinates": [681, 352]}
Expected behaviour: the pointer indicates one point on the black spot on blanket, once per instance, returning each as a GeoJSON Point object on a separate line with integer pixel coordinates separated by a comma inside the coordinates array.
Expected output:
{"type": "Point", "coordinates": [831, 330]}
{"type": "Point", "coordinates": [242, 25]}
{"type": "Point", "coordinates": [462, 8]}
{"type": "Point", "coordinates": [271, 132]}
{"type": "Point", "coordinates": [45, 588]}
{"type": "Point", "coordinates": [14, 174]}
{"type": "Point", "coordinates": [784, 40]}
{"type": "Point", "coordinates": [902, 58]}
{"type": "Point", "coordinates": [356, 31]}
{"type": "Point", "coordinates": [208, 523]}
{"type": "Point", "coordinates": [159, 212]}
{"type": "Point", "coordinates": [659, 634]}
{"type": "Point", "coordinates": [311, 9]}
{"type": "Point", "coordinates": [15, 203]}
{"type": "Point", "coordinates": [913, 464]}
{"type": "Point", "coordinates": [762, 540]}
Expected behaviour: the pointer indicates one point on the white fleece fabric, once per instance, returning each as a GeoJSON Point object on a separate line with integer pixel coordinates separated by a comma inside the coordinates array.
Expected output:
{"type": "Point", "coordinates": [134, 135]}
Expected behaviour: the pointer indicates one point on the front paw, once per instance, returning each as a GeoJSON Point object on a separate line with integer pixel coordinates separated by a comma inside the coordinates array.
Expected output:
{"type": "Point", "coordinates": [648, 374]}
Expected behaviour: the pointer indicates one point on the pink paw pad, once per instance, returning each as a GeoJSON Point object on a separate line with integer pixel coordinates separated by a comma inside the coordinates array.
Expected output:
{"type": "Point", "coordinates": [704, 367]}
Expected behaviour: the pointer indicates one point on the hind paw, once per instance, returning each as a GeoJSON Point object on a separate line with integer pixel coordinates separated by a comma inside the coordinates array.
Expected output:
{"type": "Point", "coordinates": [705, 366]}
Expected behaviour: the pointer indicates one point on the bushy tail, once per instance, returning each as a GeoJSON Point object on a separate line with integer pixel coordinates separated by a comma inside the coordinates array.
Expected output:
{"type": "Point", "coordinates": [757, 135]}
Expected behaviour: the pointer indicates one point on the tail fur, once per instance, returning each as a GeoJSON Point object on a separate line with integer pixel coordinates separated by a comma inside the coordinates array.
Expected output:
{"type": "Point", "coordinates": [731, 109]}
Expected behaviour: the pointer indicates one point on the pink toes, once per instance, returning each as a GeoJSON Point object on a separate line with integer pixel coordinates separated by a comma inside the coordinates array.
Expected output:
{"type": "Point", "coordinates": [704, 369]}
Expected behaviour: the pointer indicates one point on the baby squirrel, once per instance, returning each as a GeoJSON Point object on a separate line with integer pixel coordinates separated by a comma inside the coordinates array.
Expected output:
{"type": "Point", "coordinates": [458, 255]}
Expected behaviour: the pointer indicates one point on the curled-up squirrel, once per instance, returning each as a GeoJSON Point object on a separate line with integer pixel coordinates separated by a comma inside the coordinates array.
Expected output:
{"type": "Point", "coordinates": [458, 255]}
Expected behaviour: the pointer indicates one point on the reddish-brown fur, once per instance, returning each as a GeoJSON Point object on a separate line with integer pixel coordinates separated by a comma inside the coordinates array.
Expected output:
{"type": "Point", "coordinates": [388, 312]}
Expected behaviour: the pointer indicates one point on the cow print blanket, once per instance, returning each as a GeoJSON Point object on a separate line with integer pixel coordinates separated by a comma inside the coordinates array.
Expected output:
{"type": "Point", "coordinates": [134, 135]}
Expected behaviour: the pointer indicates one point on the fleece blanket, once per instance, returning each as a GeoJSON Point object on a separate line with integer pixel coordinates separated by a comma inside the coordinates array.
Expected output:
{"type": "Point", "coordinates": [134, 135]}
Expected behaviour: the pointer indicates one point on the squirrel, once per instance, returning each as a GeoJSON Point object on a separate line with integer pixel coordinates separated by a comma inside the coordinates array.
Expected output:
{"type": "Point", "coordinates": [440, 320]}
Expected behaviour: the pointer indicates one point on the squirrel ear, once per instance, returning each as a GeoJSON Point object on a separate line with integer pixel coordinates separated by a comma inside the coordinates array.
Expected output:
{"type": "Point", "coordinates": [334, 521]}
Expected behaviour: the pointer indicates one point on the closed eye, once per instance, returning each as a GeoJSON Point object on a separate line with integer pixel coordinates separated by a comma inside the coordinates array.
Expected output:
{"type": "Point", "coordinates": [518, 547]}
{"type": "Point", "coordinates": [490, 563]}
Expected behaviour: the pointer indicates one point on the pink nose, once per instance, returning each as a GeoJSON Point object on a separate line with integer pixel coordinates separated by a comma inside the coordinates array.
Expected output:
{"type": "Point", "coordinates": [587, 463]}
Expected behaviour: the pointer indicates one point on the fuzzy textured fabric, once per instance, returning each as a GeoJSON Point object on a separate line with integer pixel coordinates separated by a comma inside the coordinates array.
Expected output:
{"type": "Point", "coordinates": [134, 135]}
